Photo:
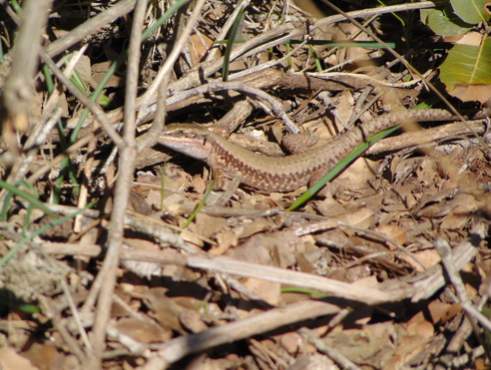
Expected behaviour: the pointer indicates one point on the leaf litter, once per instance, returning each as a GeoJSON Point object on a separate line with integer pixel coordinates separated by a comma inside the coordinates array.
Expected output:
{"type": "Point", "coordinates": [238, 283]}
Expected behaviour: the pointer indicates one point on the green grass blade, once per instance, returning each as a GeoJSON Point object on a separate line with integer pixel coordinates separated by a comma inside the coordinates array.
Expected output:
{"type": "Point", "coordinates": [175, 6]}
{"type": "Point", "coordinates": [120, 61]}
{"type": "Point", "coordinates": [28, 197]}
{"type": "Point", "coordinates": [78, 82]}
{"type": "Point", "coordinates": [395, 15]}
{"type": "Point", "coordinates": [26, 238]}
{"type": "Point", "coordinates": [48, 79]}
{"type": "Point", "coordinates": [340, 166]}
{"type": "Point", "coordinates": [95, 96]}
{"type": "Point", "coordinates": [312, 293]}
{"type": "Point", "coordinates": [15, 5]}
{"type": "Point", "coordinates": [201, 204]}
{"type": "Point", "coordinates": [7, 202]}
{"type": "Point", "coordinates": [231, 37]}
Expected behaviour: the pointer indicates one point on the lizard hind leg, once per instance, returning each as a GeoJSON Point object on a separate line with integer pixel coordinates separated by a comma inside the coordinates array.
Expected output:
{"type": "Point", "coordinates": [299, 143]}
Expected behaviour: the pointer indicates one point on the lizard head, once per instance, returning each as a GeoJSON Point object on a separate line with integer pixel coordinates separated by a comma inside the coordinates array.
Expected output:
{"type": "Point", "coordinates": [189, 140]}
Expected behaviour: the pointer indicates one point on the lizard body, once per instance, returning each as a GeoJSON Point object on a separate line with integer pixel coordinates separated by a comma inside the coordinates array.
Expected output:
{"type": "Point", "coordinates": [286, 173]}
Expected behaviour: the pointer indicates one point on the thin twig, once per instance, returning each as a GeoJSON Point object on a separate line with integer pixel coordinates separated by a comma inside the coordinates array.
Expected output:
{"type": "Point", "coordinates": [333, 354]}
{"type": "Point", "coordinates": [64, 333]}
{"type": "Point", "coordinates": [93, 107]}
{"type": "Point", "coordinates": [430, 135]}
{"type": "Point", "coordinates": [90, 27]}
{"type": "Point", "coordinates": [328, 75]}
{"type": "Point", "coordinates": [275, 108]}
{"type": "Point", "coordinates": [176, 51]}
{"type": "Point", "coordinates": [226, 27]}
{"type": "Point", "coordinates": [152, 136]}
{"type": "Point", "coordinates": [122, 189]}
{"type": "Point", "coordinates": [473, 315]}
{"type": "Point", "coordinates": [176, 349]}
{"type": "Point", "coordinates": [396, 55]}
{"type": "Point", "coordinates": [76, 316]}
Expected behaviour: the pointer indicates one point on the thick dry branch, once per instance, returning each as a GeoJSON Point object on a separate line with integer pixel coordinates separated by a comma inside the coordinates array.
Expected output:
{"type": "Point", "coordinates": [19, 87]}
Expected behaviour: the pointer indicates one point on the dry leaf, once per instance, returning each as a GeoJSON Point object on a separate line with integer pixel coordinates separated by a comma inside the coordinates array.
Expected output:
{"type": "Point", "coordinates": [344, 109]}
{"type": "Point", "coordinates": [427, 258]}
{"type": "Point", "coordinates": [393, 232]}
{"type": "Point", "coordinates": [99, 70]}
{"type": "Point", "coordinates": [225, 239]}
{"type": "Point", "coordinates": [443, 312]}
{"type": "Point", "coordinates": [419, 326]}
{"type": "Point", "coordinates": [291, 341]}
{"type": "Point", "coordinates": [468, 93]}
{"type": "Point", "coordinates": [357, 176]}
{"type": "Point", "coordinates": [207, 226]}
{"type": "Point", "coordinates": [191, 320]}
{"type": "Point", "coordinates": [314, 362]}
{"type": "Point", "coordinates": [198, 47]}
{"type": "Point", "coordinates": [45, 357]}
{"type": "Point", "coordinates": [11, 360]}
{"type": "Point", "coordinates": [268, 291]}
{"type": "Point", "coordinates": [144, 331]}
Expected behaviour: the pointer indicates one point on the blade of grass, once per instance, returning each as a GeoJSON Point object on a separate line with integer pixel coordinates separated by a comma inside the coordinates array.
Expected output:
{"type": "Point", "coordinates": [15, 5]}
{"type": "Point", "coordinates": [231, 37]}
{"type": "Point", "coordinates": [28, 197]}
{"type": "Point", "coordinates": [95, 96]}
{"type": "Point", "coordinates": [48, 79]}
{"type": "Point", "coordinates": [7, 202]}
{"type": "Point", "coordinates": [67, 169]}
{"type": "Point", "coordinates": [340, 166]}
{"type": "Point", "coordinates": [201, 204]}
{"type": "Point", "coordinates": [395, 15]}
{"type": "Point", "coordinates": [29, 309]}
{"type": "Point", "coordinates": [312, 293]}
{"type": "Point", "coordinates": [175, 6]}
{"type": "Point", "coordinates": [26, 238]}
{"type": "Point", "coordinates": [317, 61]}
{"type": "Point", "coordinates": [120, 61]}
{"type": "Point", "coordinates": [10, 196]}
{"type": "Point", "coordinates": [162, 187]}
{"type": "Point", "coordinates": [78, 82]}
{"type": "Point", "coordinates": [27, 220]}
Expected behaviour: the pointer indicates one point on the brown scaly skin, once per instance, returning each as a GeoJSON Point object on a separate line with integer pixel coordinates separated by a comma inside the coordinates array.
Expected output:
{"type": "Point", "coordinates": [280, 174]}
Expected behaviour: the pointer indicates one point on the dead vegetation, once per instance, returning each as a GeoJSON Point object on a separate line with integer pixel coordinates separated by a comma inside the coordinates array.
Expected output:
{"type": "Point", "coordinates": [118, 253]}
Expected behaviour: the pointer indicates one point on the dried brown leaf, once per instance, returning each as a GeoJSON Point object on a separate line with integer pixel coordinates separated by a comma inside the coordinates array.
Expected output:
{"type": "Point", "coordinates": [144, 331]}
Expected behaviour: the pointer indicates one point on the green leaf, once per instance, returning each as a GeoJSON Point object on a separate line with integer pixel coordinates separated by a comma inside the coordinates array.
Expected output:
{"type": "Point", "coordinates": [471, 11]}
{"type": "Point", "coordinates": [443, 22]}
{"type": "Point", "coordinates": [29, 308]}
{"type": "Point", "coordinates": [467, 65]}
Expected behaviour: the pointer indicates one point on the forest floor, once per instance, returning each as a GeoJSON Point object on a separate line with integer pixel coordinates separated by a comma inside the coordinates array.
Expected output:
{"type": "Point", "coordinates": [118, 252]}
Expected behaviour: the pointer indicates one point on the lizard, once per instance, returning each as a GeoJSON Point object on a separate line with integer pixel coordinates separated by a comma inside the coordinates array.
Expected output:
{"type": "Point", "coordinates": [281, 173]}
